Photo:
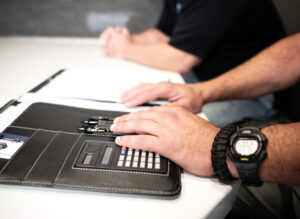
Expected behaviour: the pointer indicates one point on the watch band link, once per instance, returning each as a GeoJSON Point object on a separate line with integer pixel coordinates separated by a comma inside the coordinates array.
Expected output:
{"type": "Point", "coordinates": [219, 152]}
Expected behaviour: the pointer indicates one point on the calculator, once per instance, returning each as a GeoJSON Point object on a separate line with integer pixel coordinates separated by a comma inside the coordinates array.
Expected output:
{"type": "Point", "coordinates": [108, 155]}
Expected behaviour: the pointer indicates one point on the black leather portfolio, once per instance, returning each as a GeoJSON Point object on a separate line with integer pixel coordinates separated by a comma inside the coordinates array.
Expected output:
{"type": "Point", "coordinates": [72, 148]}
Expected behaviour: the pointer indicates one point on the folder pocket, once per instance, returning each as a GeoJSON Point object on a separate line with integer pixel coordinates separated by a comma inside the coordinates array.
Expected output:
{"type": "Point", "coordinates": [40, 158]}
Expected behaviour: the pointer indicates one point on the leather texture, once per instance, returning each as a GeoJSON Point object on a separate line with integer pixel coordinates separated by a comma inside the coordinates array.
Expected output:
{"type": "Point", "coordinates": [48, 156]}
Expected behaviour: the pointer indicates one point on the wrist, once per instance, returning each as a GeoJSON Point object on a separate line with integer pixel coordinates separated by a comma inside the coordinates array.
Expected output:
{"type": "Point", "coordinates": [127, 50]}
{"type": "Point", "coordinates": [204, 90]}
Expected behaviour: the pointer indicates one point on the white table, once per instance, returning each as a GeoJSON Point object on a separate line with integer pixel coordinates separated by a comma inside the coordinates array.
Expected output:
{"type": "Point", "coordinates": [24, 63]}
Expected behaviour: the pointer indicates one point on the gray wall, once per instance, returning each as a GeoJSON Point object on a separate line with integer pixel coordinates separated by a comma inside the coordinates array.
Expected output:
{"type": "Point", "coordinates": [89, 17]}
{"type": "Point", "coordinates": [75, 17]}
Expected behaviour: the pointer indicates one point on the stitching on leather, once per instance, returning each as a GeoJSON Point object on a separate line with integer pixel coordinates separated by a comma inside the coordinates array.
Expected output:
{"type": "Point", "coordinates": [115, 171]}
{"type": "Point", "coordinates": [45, 130]}
{"type": "Point", "coordinates": [63, 132]}
{"type": "Point", "coordinates": [94, 188]}
{"type": "Point", "coordinates": [35, 162]}
{"type": "Point", "coordinates": [10, 160]}
{"type": "Point", "coordinates": [65, 160]}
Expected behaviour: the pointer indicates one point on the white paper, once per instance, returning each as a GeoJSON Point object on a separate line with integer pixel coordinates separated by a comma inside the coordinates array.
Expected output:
{"type": "Point", "coordinates": [106, 83]}
{"type": "Point", "coordinates": [31, 98]}
{"type": "Point", "coordinates": [10, 114]}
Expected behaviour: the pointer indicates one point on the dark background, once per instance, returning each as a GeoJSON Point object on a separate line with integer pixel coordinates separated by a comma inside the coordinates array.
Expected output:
{"type": "Point", "coordinates": [87, 18]}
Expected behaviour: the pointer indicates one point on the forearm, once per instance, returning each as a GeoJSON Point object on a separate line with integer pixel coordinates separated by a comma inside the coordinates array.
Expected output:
{"type": "Point", "coordinates": [282, 164]}
{"type": "Point", "coordinates": [150, 36]}
{"type": "Point", "coordinates": [275, 68]}
{"type": "Point", "coordinates": [161, 55]}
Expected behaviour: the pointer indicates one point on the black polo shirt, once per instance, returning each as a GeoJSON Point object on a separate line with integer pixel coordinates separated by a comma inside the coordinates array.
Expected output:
{"type": "Point", "coordinates": [289, 103]}
{"type": "Point", "coordinates": [223, 33]}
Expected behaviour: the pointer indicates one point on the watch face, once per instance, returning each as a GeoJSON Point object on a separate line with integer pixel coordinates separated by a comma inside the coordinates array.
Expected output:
{"type": "Point", "coordinates": [246, 147]}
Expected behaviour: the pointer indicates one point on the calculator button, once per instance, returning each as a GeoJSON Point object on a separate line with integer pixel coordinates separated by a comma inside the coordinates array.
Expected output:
{"type": "Point", "coordinates": [143, 153]}
{"type": "Point", "coordinates": [157, 166]}
{"type": "Point", "coordinates": [123, 152]}
{"type": "Point", "coordinates": [150, 154]}
{"type": "Point", "coordinates": [124, 148]}
{"type": "Point", "coordinates": [136, 159]}
{"type": "Point", "coordinates": [150, 159]}
{"type": "Point", "coordinates": [135, 164]}
{"type": "Point", "coordinates": [143, 159]}
{"type": "Point", "coordinates": [122, 157]}
{"type": "Point", "coordinates": [157, 160]}
{"type": "Point", "coordinates": [120, 163]}
{"type": "Point", "coordinates": [129, 152]}
{"type": "Point", "coordinates": [127, 164]}
{"type": "Point", "coordinates": [142, 165]}
{"type": "Point", "coordinates": [149, 166]}
{"type": "Point", "coordinates": [136, 153]}
{"type": "Point", "coordinates": [128, 158]}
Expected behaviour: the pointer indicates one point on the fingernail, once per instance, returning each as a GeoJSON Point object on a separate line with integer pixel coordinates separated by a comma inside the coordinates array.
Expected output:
{"type": "Point", "coordinates": [116, 120]}
{"type": "Point", "coordinates": [112, 127]}
{"type": "Point", "coordinates": [117, 140]}
{"type": "Point", "coordinates": [128, 104]}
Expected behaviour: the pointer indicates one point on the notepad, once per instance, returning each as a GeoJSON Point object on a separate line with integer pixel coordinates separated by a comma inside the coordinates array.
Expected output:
{"type": "Point", "coordinates": [105, 84]}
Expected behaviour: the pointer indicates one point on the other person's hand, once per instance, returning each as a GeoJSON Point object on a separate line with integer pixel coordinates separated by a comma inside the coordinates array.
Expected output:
{"type": "Point", "coordinates": [172, 132]}
{"type": "Point", "coordinates": [105, 36]}
{"type": "Point", "coordinates": [117, 42]}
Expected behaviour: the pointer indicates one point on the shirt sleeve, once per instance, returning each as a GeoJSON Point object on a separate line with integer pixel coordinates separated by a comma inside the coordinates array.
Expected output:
{"type": "Point", "coordinates": [202, 24]}
{"type": "Point", "coordinates": [167, 18]}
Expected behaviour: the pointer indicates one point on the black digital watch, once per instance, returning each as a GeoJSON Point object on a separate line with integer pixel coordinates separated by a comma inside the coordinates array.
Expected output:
{"type": "Point", "coordinates": [246, 146]}
{"type": "Point", "coordinates": [247, 149]}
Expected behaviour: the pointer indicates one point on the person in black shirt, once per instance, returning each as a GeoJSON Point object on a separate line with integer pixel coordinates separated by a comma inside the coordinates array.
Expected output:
{"type": "Point", "coordinates": [208, 36]}
{"type": "Point", "coordinates": [186, 139]}
{"type": "Point", "coordinates": [216, 34]}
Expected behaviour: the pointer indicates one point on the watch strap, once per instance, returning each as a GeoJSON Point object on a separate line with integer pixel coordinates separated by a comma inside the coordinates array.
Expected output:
{"type": "Point", "coordinates": [219, 152]}
{"type": "Point", "coordinates": [249, 174]}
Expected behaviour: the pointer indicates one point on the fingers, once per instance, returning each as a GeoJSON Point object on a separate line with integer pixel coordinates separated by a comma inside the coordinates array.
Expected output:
{"type": "Point", "coordinates": [144, 93]}
{"type": "Point", "coordinates": [109, 32]}
{"type": "Point", "coordinates": [125, 31]}
{"type": "Point", "coordinates": [136, 125]}
{"type": "Point", "coordinates": [142, 114]}
{"type": "Point", "coordinates": [129, 97]}
{"type": "Point", "coordinates": [104, 37]}
{"type": "Point", "coordinates": [143, 142]}
{"type": "Point", "coordinates": [149, 117]}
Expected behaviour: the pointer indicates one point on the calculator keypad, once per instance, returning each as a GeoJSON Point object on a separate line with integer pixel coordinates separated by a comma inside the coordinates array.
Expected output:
{"type": "Point", "coordinates": [138, 159]}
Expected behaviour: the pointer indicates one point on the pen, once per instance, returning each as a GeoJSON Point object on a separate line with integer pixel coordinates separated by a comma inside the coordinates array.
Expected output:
{"type": "Point", "coordinates": [101, 118]}
{"type": "Point", "coordinates": [98, 130]}
{"type": "Point", "coordinates": [92, 130]}
{"type": "Point", "coordinates": [120, 133]}
{"type": "Point", "coordinates": [90, 122]}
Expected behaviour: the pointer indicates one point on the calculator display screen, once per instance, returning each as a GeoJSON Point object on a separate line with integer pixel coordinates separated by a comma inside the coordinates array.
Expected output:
{"type": "Point", "coordinates": [106, 156]}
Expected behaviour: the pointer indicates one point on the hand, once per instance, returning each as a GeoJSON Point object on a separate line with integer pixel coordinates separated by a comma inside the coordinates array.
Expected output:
{"type": "Point", "coordinates": [172, 132]}
{"type": "Point", "coordinates": [105, 36]}
{"type": "Point", "coordinates": [187, 96]}
{"type": "Point", "coordinates": [116, 41]}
